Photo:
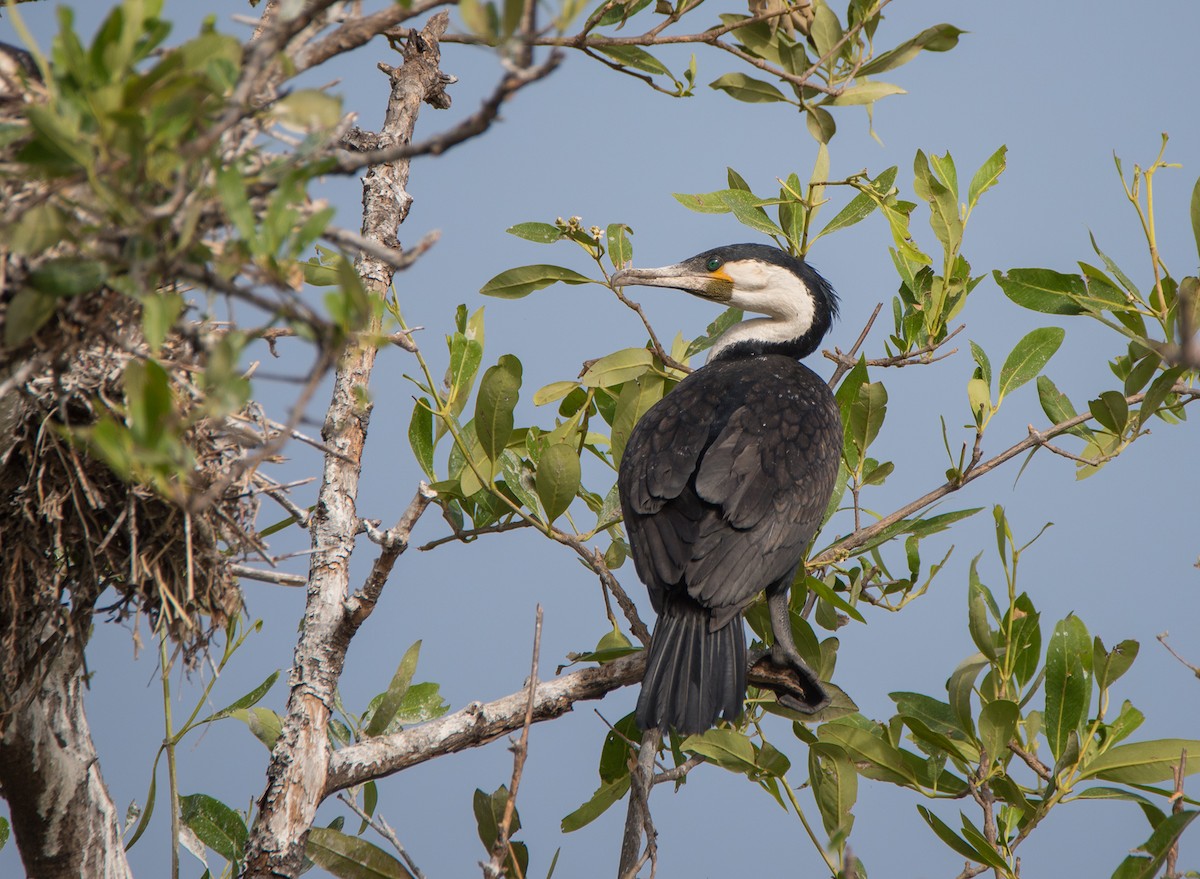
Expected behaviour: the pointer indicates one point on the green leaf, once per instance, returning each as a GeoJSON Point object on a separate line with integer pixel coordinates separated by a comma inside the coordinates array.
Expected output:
{"type": "Point", "coordinates": [557, 479]}
{"type": "Point", "coordinates": [68, 276]}
{"type": "Point", "coordinates": [420, 436]}
{"type": "Point", "coordinates": [1143, 762]}
{"type": "Point", "coordinates": [714, 330]}
{"type": "Point", "coordinates": [308, 110]}
{"type": "Point", "coordinates": [1043, 290]}
{"type": "Point", "coordinates": [635, 57]}
{"type": "Point", "coordinates": [1158, 846]}
{"type": "Point", "coordinates": [1195, 213]}
{"type": "Point", "coordinates": [394, 695]}
{"type": "Point", "coordinates": [617, 368]}
{"type": "Point", "coordinates": [1068, 682]}
{"type": "Point", "coordinates": [422, 702]}
{"type": "Point", "coordinates": [985, 365]}
{"type": "Point", "coordinates": [820, 124]}
{"type": "Point", "coordinates": [349, 857]}
{"type": "Point", "coordinates": [465, 357]}
{"type": "Point", "coordinates": [944, 216]}
{"type": "Point", "coordinates": [1058, 407]}
{"type": "Point", "coordinates": [606, 795]}
{"type": "Point", "coordinates": [494, 405]}
{"type": "Point", "coordinates": [947, 835]}
{"type": "Point", "coordinates": [1158, 391]}
{"type": "Point", "coordinates": [620, 250]}
{"type": "Point", "coordinates": [1028, 358]}
{"type": "Point", "coordinates": [637, 396]}
{"type": "Point", "coordinates": [987, 175]}
{"type": "Point", "coordinates": [218, 826]}
{"type": "Point", "coordinates": [867, 414]}
{"type": "Point", "coordinates": [553, 391]}
{"type": "Point", "coordinates": [519, 282]}
{"type": "Point", "coordinates": [745, 88]}
{"type": "Point", "coordinates": [4, 832]}
{"type": "Point", "coordinates": [938, 38]}
{"type": "Point", "coordinates": [834, 784]}
{"type": "Point", "coordinates": [1111, 410]}
{"type": "Point", "coordinates": [997, 727]}
{"type": "Point", "coordinates": [825, 591]}
{"type": "Point", "coordinates": [36, 230]}
{"type": "Point", "coordinates": [862, 205]}
{"type": "Point", "coordinates": [1109, 666]}
{"type": "Point", "coordinates": [489, 813]}
{"type": "Point", "coordinates": [27, 313]}
{"type": "Point", "coordinates": [539, 233]}
{"type": "Point", "coordinates": [252, 698]}
{"type": "Point", "coordinates": [727, 748]}
{"type": "Point", "coordinates": [874, 757]}
{"type": "Point", "coordinates": [978, 599]}
{"type": "Point", "coordinates": [263, 723]}
{"type": "Point", "coordinates": [866, 93]}
{"type": "Point", "coordinates": [960, 686]}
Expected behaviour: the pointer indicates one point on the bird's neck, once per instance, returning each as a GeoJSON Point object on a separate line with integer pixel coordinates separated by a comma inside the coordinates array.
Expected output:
{"type": "Point", "coordinates": [766, 335]}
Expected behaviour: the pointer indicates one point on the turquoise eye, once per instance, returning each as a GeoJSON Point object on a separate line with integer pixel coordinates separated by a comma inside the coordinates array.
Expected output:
{"type": "Point", "coordinates": [714, 263]}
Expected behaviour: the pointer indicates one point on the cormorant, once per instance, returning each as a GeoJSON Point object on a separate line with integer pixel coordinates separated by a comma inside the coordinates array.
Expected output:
{"type": "Point", "coordinates": [725, 481]}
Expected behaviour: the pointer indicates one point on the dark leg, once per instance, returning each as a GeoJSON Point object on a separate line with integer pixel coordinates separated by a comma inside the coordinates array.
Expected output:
{"type": "Point", "coordinates": [811, 696]}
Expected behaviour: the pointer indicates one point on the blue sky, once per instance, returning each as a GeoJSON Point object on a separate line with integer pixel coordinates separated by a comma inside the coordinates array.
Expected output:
{"type": "Point", "coordinates": [1064, 86]}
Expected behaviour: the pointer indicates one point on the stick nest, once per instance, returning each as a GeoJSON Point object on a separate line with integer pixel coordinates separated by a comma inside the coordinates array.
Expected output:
{"type": "Point", "coordinates": [70, 528]}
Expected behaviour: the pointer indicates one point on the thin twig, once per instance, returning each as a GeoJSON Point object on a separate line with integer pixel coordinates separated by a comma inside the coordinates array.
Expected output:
{"type": "Point", "coordinates": [468, 536]}
{"type": "Point", "coordinates": [1042, 770]}
{"type": "Point", "coordinates": [279, 578]}
{"type": "Point", "coordinates": [380, 826]}
{"type": "Point", "coordinates": [474, 125]}
{"type": "Point", "coordinates": [1162, 639]}
{"type": "Point", "coordinates": [637, 816]}
{"type": "Point", "coordinates": [846, 361]}
{"type": "Point", "coordinates": [1180, 773]}
{"type": "Point", "coordinates": [501, 848]}
{"type": "Point", "coordinates": [842, 548]}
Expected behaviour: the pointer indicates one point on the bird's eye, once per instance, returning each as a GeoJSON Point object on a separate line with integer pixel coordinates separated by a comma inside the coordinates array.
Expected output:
{"type": "Point", "coordinates": [714, 263]}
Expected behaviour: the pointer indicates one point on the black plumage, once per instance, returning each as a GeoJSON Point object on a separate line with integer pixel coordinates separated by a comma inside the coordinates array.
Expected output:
{"type": "Point", "coordinates": [725, 481]}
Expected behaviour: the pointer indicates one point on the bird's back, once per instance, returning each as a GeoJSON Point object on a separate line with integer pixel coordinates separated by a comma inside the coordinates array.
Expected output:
{"type": "Point", "coordinates": [724, 482]}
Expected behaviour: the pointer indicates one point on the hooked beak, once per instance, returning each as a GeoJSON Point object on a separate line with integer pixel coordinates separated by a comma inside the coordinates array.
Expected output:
{"type": "Point", "coordinates": [716, 285]}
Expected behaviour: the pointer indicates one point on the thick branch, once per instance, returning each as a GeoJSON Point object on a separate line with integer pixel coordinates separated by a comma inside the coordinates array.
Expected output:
{"type": "Point", "coordinates": [477, 724]}
{"type": "Point", "coordinates": [296, 777]}
{"type": "Point", "coordinates": [64, 821]}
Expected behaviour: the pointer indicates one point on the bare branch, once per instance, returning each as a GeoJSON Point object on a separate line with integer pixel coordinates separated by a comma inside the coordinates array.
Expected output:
{"type": "Point", "coordinates": [501, 848]}
{"type": "Point", "coordinates": [473, 126]}
{"type": "Point", "coordinates": [279, 578]}
{"type": "Point", "coordinates": [845, 362]}
{"type": "Point", "coordinates": [1162, 639]}
{"type": "Point", "coordinates": [1042, 770]}
{"type": "Point", "coordinates": [842, 548]}
{"type": "Point", "coordinates": [393, 541]}
{"type": "Point", "coordinates": [477, 724]}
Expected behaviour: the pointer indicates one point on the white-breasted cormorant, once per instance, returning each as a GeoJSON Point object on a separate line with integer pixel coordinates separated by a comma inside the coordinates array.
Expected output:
{"type": "Point", "coordinates": [725, 481]}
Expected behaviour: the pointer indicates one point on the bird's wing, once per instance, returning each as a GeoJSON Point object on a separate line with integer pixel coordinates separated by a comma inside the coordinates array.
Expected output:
{"type": "Point", "coordinates": [725, 516]}
{"type": "Point", "coordinates": [769, 472]}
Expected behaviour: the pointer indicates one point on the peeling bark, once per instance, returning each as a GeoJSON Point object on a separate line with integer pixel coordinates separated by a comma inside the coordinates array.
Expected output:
{"type": "Point", "coordinates": [63, 820]}
{"type": "Point", "coordinates": [477, 724]}
{"type": "Point", "coordinates": [296, 777]}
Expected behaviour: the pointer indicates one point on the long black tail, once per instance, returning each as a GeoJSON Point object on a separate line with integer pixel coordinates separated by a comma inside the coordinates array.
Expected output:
{"type": "Point", "coordinates": [693, 675]}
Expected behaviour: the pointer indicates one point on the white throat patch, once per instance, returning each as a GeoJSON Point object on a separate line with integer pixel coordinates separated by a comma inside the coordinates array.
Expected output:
{"type": "Point", "coordinates": [767, 289]}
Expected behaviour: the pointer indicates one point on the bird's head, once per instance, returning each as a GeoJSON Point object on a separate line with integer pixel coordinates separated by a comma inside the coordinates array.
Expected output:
{"type": "Point", "coordinates": [799, 304]}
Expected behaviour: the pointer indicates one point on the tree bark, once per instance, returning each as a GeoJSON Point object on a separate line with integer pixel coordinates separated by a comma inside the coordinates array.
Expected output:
{"type": "Point", "coordinates": [63, 819]}
{"type": "Point", "coordinates": [296, 778]}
